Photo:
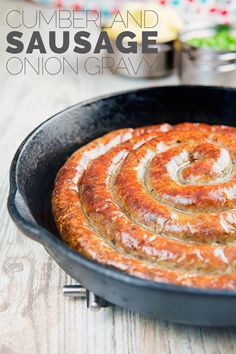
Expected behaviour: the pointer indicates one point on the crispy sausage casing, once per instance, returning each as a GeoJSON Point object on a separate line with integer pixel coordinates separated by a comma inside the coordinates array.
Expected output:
{"type": "Point", "coordinates": [157, 202]}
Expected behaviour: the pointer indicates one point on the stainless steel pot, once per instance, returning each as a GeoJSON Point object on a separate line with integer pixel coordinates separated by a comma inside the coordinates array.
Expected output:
{"type": "Point", "coordinates": [205, 66]}
{"type": "Point", "coordinates": [140, 65]}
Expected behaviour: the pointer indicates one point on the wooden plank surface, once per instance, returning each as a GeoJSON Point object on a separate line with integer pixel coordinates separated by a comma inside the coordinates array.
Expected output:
{"type": "Point", "coordinates": [34, 315]}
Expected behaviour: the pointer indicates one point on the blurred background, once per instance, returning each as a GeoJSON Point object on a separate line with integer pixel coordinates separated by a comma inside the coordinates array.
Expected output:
{"type": "Point", "coordinates": [222, 10]}
{"type": "Point", "coordinates": [196, 43]}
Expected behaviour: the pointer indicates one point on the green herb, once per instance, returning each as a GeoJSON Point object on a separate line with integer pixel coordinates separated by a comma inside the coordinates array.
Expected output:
{"type": "Point", "coordinates": [221, 40]}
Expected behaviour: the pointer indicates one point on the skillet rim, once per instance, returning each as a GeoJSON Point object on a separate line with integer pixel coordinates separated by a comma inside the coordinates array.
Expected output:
{"type": "Point", "coordinates": [50, 241]}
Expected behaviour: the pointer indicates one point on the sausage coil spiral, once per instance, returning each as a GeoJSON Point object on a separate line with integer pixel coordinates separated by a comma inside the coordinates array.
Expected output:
{"type": "Point", "coordinates": [157, 202]}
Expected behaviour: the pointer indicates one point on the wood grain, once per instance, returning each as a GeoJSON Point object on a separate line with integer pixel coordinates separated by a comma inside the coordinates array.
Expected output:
{"type": "Point", "coordinates": [34, 315]}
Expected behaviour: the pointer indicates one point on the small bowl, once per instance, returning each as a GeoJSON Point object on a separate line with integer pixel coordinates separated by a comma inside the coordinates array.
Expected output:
{"type": "Point", "coordinates": [202, 65]}
{"type": "Point", "coordinates": [160, 64]}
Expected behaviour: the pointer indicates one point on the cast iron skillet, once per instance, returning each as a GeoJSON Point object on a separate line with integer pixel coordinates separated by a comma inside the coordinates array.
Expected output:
{"type": "Point", "coordinates": [43, 152]}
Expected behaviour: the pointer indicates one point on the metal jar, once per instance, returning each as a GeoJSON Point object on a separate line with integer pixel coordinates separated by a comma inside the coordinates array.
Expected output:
{"type": "Point", "coordinates": [205, 66]}
{"type": "Point", "coordinates": [160, 64]}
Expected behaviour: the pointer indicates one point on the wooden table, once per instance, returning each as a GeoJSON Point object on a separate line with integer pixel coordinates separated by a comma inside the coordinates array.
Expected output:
{"type": "Point", "coordinates": [34, 315]}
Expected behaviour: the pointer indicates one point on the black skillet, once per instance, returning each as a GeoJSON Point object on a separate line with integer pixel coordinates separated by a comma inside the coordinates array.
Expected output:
{"type": "Point", "coordinates": [43, 152]}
